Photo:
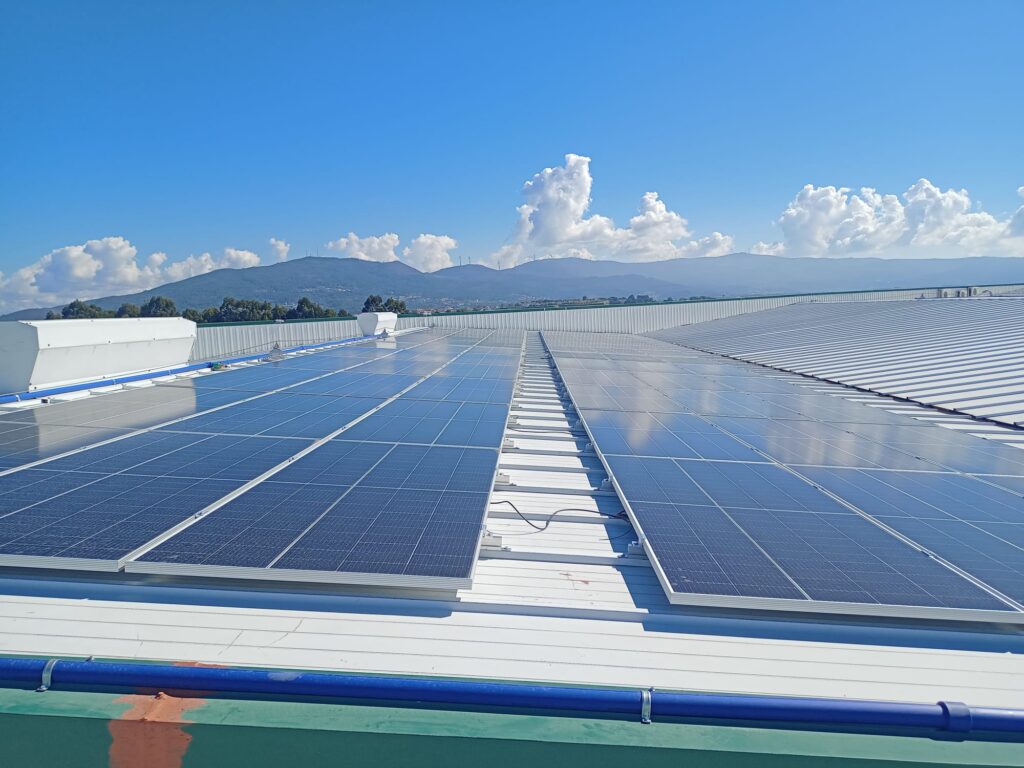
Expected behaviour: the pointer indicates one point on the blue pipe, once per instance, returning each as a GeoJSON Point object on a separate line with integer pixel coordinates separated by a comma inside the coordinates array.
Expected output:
{"type": "Point", "coordinates": [40, 393]}
{"type": "Point", "coordinates": [827, 714]}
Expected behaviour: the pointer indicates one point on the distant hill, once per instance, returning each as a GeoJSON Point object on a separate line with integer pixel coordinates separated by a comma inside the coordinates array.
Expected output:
{"type": "Point", "coordinates": [344, 283]}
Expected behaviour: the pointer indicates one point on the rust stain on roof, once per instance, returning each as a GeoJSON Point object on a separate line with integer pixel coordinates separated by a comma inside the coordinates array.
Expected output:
{"type": "Point", "coordinates": [151, 733]}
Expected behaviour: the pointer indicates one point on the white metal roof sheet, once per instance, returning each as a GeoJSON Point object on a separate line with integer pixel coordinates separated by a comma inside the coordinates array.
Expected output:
{"type": "Point", "coordinates": [959, 354]}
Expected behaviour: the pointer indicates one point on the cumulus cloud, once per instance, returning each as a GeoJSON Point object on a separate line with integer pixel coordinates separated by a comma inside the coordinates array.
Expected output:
{"type": "Point", "coordinates": [426, 252]}
{"type": "Point", "coordinates": [554, 221]}
{"type": "Point", "coordinates": [233, 258]}
{"type": "Point", "coordinates": [109, 265]}
{"type": "Point", "coordinates": [768, 249]}
{"type": "Point", "coordinates": [924, 221]}
{"type": "Point", "coordinates": [280, 248]}
{"type": "Point", "coordinates": [429, 253]}
{"type": "Point", "coordinates": [372, 248]}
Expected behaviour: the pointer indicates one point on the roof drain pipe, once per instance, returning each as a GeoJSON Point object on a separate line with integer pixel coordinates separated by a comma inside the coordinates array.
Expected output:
{"type": "Point", "coordinates": [821, 713]}
{"type": "Point", "coordinates": [36, 394]}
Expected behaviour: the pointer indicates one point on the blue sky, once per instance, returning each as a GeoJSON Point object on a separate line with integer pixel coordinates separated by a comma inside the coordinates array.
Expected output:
{"type": "Point", "coordinates": [189, 128]}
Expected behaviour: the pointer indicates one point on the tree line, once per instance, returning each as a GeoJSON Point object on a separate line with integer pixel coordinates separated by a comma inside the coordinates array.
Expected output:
{"type": "Point", "coordinates": [375, 303]}
{"type": "Point", "coordinates": [231, 310]}
{"type": "Point", "coordinates": [157, 306]}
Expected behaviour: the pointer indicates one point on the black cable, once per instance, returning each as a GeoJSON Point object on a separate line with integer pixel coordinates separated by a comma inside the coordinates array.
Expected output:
{"type": "Point", "coordinates": [551, 517]}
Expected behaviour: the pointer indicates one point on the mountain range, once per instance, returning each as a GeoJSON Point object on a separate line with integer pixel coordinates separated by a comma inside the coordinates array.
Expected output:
{"type": "Point", "coordinates": [345, 283]}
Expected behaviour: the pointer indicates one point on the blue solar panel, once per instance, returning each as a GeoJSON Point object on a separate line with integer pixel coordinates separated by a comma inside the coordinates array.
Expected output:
{"type": "Point", "coordinates": [846, 558]}
{"type": "Point", "coordinates": [252, 530]}
{"type": "Point", "coordinates": [103, 502]}
{"type": "Point", "coordinates": [401, 494]}
{"type": "Point", "coordinates": [405, 531]}
{"type": "Point", "coordinates": [705, 552]}
{"type": "Point", "coordinates": [464, 389]}
{"type": "Point", "coordinates": [354, 508]}
{"type": "Point", "coordinates": [353, 384]}
{"type": "Point", "coordinates": [434, 422]}
{"type": "Point", "coordinates": [974, 525]}
{"type": "Point", "coordinates": [22, 444]}
{"type": "Point", "coordinates": [672, 435]}
{"type": "Point", "coordinates": [334, 463]}
{"type": "Point", "coordinates": [125, 409]}
{"type": "Point", "coordinates": [282, 415]}
{"type": "Point", "coordinates": [754, 525]}
{"type": "Point", "coordinates": [257, 378]}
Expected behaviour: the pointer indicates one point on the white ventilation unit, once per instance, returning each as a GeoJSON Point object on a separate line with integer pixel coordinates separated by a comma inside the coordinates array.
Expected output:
{"type": "Point", "coordinates": [39, 354]}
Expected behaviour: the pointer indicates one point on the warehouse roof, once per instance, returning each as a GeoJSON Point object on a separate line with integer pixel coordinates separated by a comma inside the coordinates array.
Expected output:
{"type": "Point", "coordinates": [559, 591]}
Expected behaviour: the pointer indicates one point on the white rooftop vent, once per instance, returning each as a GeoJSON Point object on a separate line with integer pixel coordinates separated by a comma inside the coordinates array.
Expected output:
{"type": "Point", "coordinates": [39, 354]}
{"type": "Point", "coordinates": [376, 323]}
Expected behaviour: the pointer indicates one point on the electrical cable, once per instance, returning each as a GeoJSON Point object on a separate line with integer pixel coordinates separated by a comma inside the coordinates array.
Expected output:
{"type": "Point", "coordinates": [551, 517]}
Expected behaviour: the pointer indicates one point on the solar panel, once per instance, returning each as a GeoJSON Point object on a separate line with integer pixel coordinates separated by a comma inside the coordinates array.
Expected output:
{"type": "Point", "coordinates": [256, 378]}
{"type": "Point", "coordinates": [101, 504]}
{"type": "Point", "coordinates": [398, 498]}
{"type": "Point", "coordinates": [357, 384]}
{"type": "Point", "coordinates": [22, 444]}
{"type": "Point", "coordinates": [94, 506]}
{"type": "Point", "coordinates": [282, 415]}
{"type": "Point", "coordinates": [464, 389]}
{"type": "Point", "coordinates": [671, 435]}
{"type": "Point", "coordinates": [971, 523]}
{"type": "Point", "coordinates": [40, 433]}
{"type": "Point", "coordinates": [756, 528]}
{"type": "Point", "coordinates": [124, 409]}
{"type": "Point", "coordinates": [434, 422]}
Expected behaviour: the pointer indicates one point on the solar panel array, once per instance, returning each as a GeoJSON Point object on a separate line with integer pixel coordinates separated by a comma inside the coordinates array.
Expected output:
{"type": "Point", "coordinates": [751, 491]}
{"type": "Point", "coordinates": [257, 466]}
{"type": "Point", "coordinates": [959, 354]}
{"type": "Point", "coordinates": [397, 498]}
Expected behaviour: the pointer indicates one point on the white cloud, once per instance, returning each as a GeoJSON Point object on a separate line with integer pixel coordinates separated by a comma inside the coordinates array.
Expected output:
{"type": "Point", "coordinates": [768, 249]}
{"type": "Point", "coordinates": [103, 267]}
{"type": "Point", "coordinates": [280, 248]}
{"type": "Point", "coordinates": [426, 252]}
{"type": "Point", "coordinates": [372, 248]}
{"type": "Point", "coordinates": [238, 259]}
{"type": "Point", "coordinates": [233, 258]}
{"type": "Point", "coordinates": [927, 222]}
{"type": "Point", "coordinates": [715, 244]}
{"type": "Point", "coordinates": [429, 253]}
{"type": "Point", "coordinates": [554, 222]}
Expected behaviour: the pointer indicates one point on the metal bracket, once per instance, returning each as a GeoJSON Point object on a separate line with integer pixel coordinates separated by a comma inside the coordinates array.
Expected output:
{"type": "Point", "coordinates": [958, 716]}
{"type": "Point", "coordinates": [47, 676]}
{"type": "Point", "coordinates": [645, 706]}
{"type": "Point", "coordinates": [490, 541]}
{"type": "Point", "coordinates": [502, 479]}
{"type": "Point", "coordinates": [636, 549]}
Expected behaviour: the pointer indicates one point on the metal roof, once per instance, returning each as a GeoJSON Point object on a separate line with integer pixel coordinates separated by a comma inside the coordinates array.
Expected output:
{"type": "Point", "coordinates": [964, 355]}
{"type": "Point", "coordinates": [564, 598]}
{"type": "Point", "coordinates": [562, 604]}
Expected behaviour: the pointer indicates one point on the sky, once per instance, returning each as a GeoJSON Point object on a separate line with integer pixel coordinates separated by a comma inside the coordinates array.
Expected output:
{"type": "Point", "coordinates": [147, 142]}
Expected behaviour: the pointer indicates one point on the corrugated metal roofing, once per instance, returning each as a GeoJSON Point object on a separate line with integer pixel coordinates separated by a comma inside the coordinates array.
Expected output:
{"type": "Point", "coordinates": [964, 355]}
